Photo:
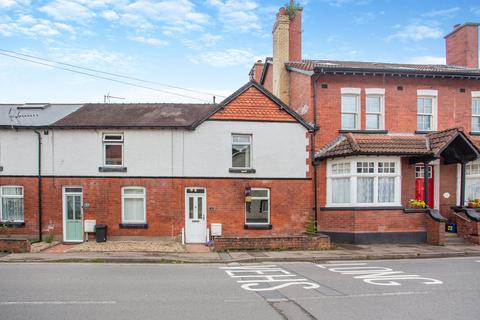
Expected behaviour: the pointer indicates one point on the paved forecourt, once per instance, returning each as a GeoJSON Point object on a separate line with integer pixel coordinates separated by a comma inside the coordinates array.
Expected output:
{"type": "Point", "coordinates": [393, 289]}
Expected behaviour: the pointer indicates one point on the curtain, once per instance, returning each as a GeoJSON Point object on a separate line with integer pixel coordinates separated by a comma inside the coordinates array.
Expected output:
{"type": "Point", "coordinates": [133, 209]}
{"type": "Point", "coordinates": [12, 209]}
{"type": "Point", "coordinates": [365, 190]}
{"type": "Point", "coordinates": [341, 190]}
{"type": "Point", "coordinates": [472, 188]}
{"type": "Point", "coordinates": [386, 189]}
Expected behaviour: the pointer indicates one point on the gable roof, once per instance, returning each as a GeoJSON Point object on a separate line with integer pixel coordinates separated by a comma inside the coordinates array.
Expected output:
{"type": "Point", "coordinates": [135, 115]}
{"type": "Point", "coordinates": [33, 115]}
{"type": "Point", "coordinates": [236, 100]}
{"type": "Point", "coordinates": [326, 66]}
{"type": "Point", "coordinates": [431, 144]}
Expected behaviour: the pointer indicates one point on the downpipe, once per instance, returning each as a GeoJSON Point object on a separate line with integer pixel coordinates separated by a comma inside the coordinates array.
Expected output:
{"type": "Point", "coordinates": [39, 136]}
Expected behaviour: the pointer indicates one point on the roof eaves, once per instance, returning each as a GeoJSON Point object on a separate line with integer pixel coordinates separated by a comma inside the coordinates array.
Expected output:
{"type": "Point", "coordinates": [301, 71]}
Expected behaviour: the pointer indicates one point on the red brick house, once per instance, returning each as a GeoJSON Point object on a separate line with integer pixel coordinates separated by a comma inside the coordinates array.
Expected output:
{"type": "Point", "coordinates": [376, 127]}
{"type": "Point", "coordinates": [239, 168]}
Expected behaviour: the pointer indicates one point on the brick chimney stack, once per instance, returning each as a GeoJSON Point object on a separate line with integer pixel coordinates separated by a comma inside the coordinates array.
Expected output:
{"type": "Point", "coordinates": [256, 71]}
{"type": "Point", "coordinates": [462, 45]}
{"type": "Point", "coordinates": [287, 46]}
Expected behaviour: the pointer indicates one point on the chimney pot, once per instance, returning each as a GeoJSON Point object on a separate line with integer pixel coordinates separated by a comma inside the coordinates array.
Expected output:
{"type": "Point", "coordinates": [282, 11]}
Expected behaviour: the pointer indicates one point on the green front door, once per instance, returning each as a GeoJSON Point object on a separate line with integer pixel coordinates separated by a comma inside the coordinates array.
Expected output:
{"type": "Point", "coordinates": [73, 214]}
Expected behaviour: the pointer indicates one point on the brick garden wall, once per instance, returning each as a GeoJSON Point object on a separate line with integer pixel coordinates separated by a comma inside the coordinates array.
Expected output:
{"type": "Point", "coordinates": [305, 242]}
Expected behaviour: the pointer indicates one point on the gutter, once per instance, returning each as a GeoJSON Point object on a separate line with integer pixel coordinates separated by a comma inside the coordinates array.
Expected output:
{"type": "Point", "coordinates": [39, 184]}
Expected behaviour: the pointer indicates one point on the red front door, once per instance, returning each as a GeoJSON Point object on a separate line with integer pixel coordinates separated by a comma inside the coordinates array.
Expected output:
{"type": "Point", "coordinates": [419, 185]}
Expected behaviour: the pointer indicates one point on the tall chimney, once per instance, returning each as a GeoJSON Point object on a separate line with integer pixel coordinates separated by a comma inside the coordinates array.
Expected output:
{"type": "Point", "coordinates": [462, 45]}
{"type": "Point", "coordinates": [287, 46]}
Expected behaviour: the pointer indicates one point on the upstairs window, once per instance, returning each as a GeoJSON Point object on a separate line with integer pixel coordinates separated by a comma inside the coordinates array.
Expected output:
{"type": "Point", "coordinates": [476, 114]}
{"type": "Point", "coordinates": [11, 208]}
{"type": "Point", "coordinates": [113, 149]}
{"type": "Point", "coordinates": [241, 151]}
{"type": "Point", "coordinates": [427, 110]}
{"type": "Point", "coordinates": [258, 210]}
{"type": "Point", "coordinates": [350, 112]}
{"type": "Point", "coordinates": [374, 112]}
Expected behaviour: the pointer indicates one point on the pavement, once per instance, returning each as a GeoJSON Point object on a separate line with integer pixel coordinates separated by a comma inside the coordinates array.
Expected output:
{"type": "Point", "coordinates": [437, 289]}
{"type": "Point", "coordinates": [202, 255]}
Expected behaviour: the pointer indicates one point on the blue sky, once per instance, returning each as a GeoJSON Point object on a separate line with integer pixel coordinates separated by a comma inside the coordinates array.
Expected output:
{"type": "Point", "coordinates": [205, 45]}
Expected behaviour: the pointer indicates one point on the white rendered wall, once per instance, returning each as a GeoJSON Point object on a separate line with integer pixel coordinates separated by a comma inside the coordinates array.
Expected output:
{"type": "Point", "coordinates": [279, 150]}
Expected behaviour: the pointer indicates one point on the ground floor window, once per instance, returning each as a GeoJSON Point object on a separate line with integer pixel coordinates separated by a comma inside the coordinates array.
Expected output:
{"type": "Point", "coordinates": [11, 208]}
{"type": "Point", "coordinates": [363, 181]}
{"type": "Point", "coordinates": [258, 209]}
{"type": "Point", "coordinates": [472, 180]}
{"type": "Point", "coordinates": [133, 205]}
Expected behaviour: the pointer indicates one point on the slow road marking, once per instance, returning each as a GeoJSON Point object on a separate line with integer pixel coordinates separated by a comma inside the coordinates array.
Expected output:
{"type": "Point", "coordinates": [380, 276]}
{"type": "Point", "coordinates": [267, 278]}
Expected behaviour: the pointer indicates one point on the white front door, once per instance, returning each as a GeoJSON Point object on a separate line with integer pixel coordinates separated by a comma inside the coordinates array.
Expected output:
{"type": "Point", "coordinates": [195, 215]}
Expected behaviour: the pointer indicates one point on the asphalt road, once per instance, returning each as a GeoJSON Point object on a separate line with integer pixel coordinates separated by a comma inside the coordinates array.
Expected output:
{"type": "Point", "coordinates": [398, 289]}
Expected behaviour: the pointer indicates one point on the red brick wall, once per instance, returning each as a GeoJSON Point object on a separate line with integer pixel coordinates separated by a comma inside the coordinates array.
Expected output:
{"type": "Point", "coordinates": [448, 183]}
{"type": "Point", "coordinates": [454, 107]}
{"type": "Point", "coordinates": [290, 204]}
{"type": "Point", "coordinates": [268, 82]}
{"type": "Point", "coordinates": [301, 96]}
{"type": "Point", "coordinates": [305, 242]}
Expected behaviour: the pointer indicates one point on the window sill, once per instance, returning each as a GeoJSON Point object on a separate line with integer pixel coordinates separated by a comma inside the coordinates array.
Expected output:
{"type": "Point", "coordinates": [361, 208]}
{"type": "Point", "coordinates": [133, 225]}
{"type": "Point", "coordinates": [13, 224]}
{"type": "Point", "coordinates": [473, 133]}
{"type": "Point", "coordinates": [364, 131]}
{"type": "Point", "coordinates": [112, 169]}
{"type": "Point", "coordinates": [414, 210]}
{"type": "Point", "coordinates": [257, 226]}
{"type": "Point", "coordinates": [424, 132]}
{"type": "Point", "coordinates": [241, 170]}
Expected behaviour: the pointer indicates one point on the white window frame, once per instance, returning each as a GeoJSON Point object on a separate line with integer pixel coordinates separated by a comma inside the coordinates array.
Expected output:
{"type": "Point", "coordinates": [259, 198]}
{"type": "Point", "coordinates": [106, 142]}
{"type": "Point", "coordinates": [380, 93]}
{"type": "Point", "coordinates": [351, 92]}
{"type": "Point", "coordinates": [467, 177]}
{"type": "Point", "coordinates": [134, 196]}
{"type": "Point", "coordinates": [433, 95]}
{"type": "Point", "coordinates": [12, 196]}
{"type": "Point", "coordinates": [475, 98]}
{"type": "Point", "coordinates": [250, 143]}
{"type": "Point", "coordinates": [353, 175]}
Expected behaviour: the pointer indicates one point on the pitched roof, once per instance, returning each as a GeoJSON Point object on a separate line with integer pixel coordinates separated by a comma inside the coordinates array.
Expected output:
{"type": "Point", "coordinates": [33, 114]}
{"type": "Point", "coordinates": [412, 145]}
{"type": "Point", "coordinates": [244, 96]}
{"type": "Point", "coordinates": [360, 66]}
{"type": "Point", "coordinates": [133, 115]}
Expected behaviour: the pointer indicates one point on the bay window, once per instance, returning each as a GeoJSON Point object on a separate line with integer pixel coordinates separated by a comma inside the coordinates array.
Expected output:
{"type": "Point", "coordinates": [11, 204]}
{"type": "Point", "coordinates": [363, 182]}
{"type": "Point", "coordinates": [472, 180]}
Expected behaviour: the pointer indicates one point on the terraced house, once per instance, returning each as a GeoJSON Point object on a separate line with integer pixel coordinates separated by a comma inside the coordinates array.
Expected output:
{"type": "Point", "coordinates": [156, 170]}
{"type": "Point", "coordinates": [385, 134]}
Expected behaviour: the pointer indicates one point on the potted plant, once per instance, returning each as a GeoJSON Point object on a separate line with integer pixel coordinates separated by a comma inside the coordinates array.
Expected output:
{"type": "Point", "coordinates": [417, 204]}
{"type": "Point", "coordinates": [475, 203]}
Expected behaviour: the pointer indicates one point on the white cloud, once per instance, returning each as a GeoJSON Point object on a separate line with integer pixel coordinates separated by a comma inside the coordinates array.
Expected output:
{"type": "Point", "coordinates": [31, 26]}
{"type": "Point", "coordinates": [237, 15]}
{"type": "Point", "coordinates": [427, 60]}
{"type": "Point", "coordinates": [65, 10]}
{"type": "Point", "coordinates": [443, 13]}
{"type": "Point", "coordinates": [150, 41]}
{"type": "Point", "coordinates": [416, 32]}
{"type": "Point", "coordinates": [110, 15]}
{"type": "Point", "coordinates": [227, 58]}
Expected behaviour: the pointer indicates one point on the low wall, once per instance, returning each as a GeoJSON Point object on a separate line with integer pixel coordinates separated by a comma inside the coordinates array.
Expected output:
{"type": "Point", "coordinates": [303, 242]}
{"type": "Point", "coordinates": [13, 245]}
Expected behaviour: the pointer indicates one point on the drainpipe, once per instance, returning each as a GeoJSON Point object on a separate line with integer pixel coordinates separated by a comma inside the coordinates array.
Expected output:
{"type": "Point", "coordinates": [314, 163]}
{"type": "Point", "coordinates": [425, 183]}
{"type": "Point", "coordinates": [39, 184]}
{"type": "Point", "coordinates": [462, 184]}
